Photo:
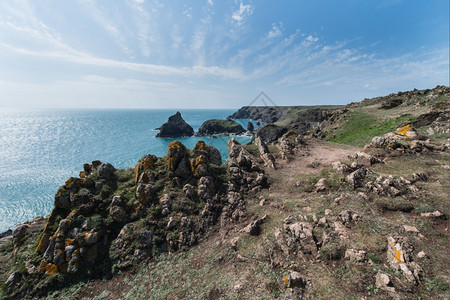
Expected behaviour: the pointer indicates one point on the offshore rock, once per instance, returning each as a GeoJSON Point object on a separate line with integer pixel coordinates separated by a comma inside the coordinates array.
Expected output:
{"type": "Point", "coordinates": [217, 126]}
{"type": "Point", "coordinates": [175, 127]}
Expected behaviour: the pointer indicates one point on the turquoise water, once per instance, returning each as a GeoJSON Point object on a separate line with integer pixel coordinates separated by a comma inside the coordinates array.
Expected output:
{"type": "Point", "coordinates": [39, 150]}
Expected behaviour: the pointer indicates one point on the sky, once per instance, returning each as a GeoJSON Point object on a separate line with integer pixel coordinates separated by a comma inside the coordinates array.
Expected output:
{"type": "Point", "coordinates": [217, 54]}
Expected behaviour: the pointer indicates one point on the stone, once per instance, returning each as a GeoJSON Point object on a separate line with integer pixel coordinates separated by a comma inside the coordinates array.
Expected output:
{"type": "Point", "coordinates": [382, 281]}
{"type": "Point", "coordinates": [265, 154]}
{"type": "Point", "coordinates": [106, 171]}
{"type": "Point", "coordinates": [175, 127]}
{"type": "Point", "coordinates": [339, 166]}
{"type": "Point", "coordinates": [421, 254]}
{"type": "Point", "coordinates": [371, 160]}
{"type": "Point", "coordinates": [293, 280]}
{"type": "Point", "coordinates": [18, 234]}
{"type": "Point", "coordinates": [234, 243]}
{"type": "Point", "coordinates": [254, 228]}
{"type": "Point", "coordinates": [321, 185]}
{"type": "Point", "coordinates": [410, 228]}
{"type": "Point", "coordinates": [13, 279]}
{"type": "Point", "coordinates": [357, 177]}
{"type": "Point", "coordinates": [189, 190]}
{"type": "Point", "coordinates": [435, 214]}
{"type": "Point", "coordinates": [117, 213]}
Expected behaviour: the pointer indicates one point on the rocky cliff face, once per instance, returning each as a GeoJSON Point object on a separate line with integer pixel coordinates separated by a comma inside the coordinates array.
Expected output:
{"type": "Point", "coordinates": [265, 114]}
{"type": "Point", "coordinates": [175, 127]}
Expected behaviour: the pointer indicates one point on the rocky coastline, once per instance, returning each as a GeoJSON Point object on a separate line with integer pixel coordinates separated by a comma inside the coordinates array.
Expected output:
{"type": "Point", "coordinates": [320, 199]}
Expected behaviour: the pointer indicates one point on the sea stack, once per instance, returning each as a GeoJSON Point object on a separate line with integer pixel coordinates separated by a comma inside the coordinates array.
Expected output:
{"type": "Point", "coordinates": [175, 127]}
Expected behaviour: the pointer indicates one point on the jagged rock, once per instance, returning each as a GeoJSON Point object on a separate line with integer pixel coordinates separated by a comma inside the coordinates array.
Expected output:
{"type": "Point", "coordinates": [265, 154]}
{"type": "Point", "coordinates": [18, 234]}
{"type": "Point", "coordinates": [190, 191]}
{"type": "Point", "coordinates": [357, 177]}
{"type": "Point", "coordinates": [145, 193]}
{"type": "Point", "coordinates": [286, 145]}
{"type": "Point", "coordinates": [106, 171]}
{"type": "Point", "coordinates": [212, 154]}
{"type": "Point", "coordinates": [13, 279]}
{"type": "Point", "coordinates": [206, 188]}
{"type": "Point", "coordinates": [217, 126]}
{"type": "Point", "coordinates": [175, 127]}
{"type": "Point", "coordinates": [178, 160]}
{"type": "Point", "coordinates": [254, 228]}
{"type": "Point", "coordinates": [145, 164]}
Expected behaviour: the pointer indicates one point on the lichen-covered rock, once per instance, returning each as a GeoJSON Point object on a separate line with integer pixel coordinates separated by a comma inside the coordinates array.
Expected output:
{"type": "Point", "coordinates": [146, 163]}
{"type": "Point", "coordinates": [211, 154]}
{"type": "Point", "coordinates": [399, 258]}
{"type": "Point", "coordinates": [175, 127]}
{"type": "Point", "coordinates": [178, 160]}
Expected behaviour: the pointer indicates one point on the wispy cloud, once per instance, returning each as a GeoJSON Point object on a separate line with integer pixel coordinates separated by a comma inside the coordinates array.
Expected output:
{"type": "Point", "coordinates": [242, 13]}
{"type": "Point", "coordinates": [276, 31]}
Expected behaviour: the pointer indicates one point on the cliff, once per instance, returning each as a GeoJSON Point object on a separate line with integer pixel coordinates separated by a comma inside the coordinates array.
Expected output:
{"type": "Point", "coordinates": [356, 208]}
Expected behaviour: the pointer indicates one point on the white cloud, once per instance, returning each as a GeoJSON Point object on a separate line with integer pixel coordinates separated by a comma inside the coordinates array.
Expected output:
{"type": "Point", "coordinates": [210, 2]}
{"type": "Point", "coordinates": [240, 15]}
{"type": "Point", "coordinates": [276, 31]}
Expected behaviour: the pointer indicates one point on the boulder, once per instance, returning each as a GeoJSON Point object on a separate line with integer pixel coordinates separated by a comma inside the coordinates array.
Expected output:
{"type": "Point", "coordinates": [356, 178]}
{"type": "Point", "coordinates": [218, 126]}
{"type": "Point", "coordinates": [175, 127]}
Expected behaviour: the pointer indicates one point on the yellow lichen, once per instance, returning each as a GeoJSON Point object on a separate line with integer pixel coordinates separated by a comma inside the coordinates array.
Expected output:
{"type": "Point", "coordinates": [286, 281]}
{"type": "Point", "coordinates": [82, 174]}
{"type": "Point", "coordinates": [398, 255]}
{"type": "Point", "coordinates": [48, 268]}
{"type": "Point", "coordinates": [201, 145]}
{"type": "Point", "coordinates": [43, 243]}
{"type": "Point", "coordinates": [404, 130]}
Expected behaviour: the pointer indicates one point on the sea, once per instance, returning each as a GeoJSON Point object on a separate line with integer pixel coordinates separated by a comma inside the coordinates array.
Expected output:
{"type": "Point", "coordinates": [40, 150]}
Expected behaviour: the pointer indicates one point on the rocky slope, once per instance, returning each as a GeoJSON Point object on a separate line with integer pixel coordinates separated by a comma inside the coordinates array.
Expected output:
{"type": "Point", "coordinates": [357, 208]}
{"type": "Point", "coordinates": [175, 127]}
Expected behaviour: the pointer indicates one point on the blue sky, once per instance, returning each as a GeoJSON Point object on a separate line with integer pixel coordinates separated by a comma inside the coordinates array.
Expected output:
{"type": "Point", "coordinates": [217, 54]}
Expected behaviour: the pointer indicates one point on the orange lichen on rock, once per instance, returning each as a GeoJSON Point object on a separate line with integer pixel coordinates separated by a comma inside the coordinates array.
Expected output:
{"type": "Point", "coordinates": [43, 243]}
{"type": "Point", "coordinates": [48, 268]}
{"type": "Point", "coordinates": [147, 162]}
{"type": "Point", "coordinates": [69, 242]}
{"type": "Point", "coordinates": [398, 256]}
{"type": "Point", "coordinates": [407, 131]}
{"type": "Point", "coordinates": [200, 145]}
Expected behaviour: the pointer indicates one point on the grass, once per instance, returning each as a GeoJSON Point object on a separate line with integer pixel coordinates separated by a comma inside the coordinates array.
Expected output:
{"type": "Point", "coordinates": [362, 127]}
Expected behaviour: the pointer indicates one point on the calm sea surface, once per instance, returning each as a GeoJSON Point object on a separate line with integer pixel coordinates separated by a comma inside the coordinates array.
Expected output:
{"type": "Point", "coordinates": [39, 150]}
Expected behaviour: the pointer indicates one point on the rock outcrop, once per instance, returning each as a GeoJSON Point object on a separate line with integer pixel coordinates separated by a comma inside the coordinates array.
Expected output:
{"type": "Point", "coordinates": [175, 127]}
{"type": "Point", "coordinates": [217, 126]}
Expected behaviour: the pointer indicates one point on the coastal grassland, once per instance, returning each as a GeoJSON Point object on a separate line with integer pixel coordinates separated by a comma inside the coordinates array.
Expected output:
{"type": "Point", "coordinates": [361, 127]}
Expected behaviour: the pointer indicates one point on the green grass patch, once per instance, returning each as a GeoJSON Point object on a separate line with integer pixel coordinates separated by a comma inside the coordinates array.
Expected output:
{"type": "Point", "coordinates": [362, 127]}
